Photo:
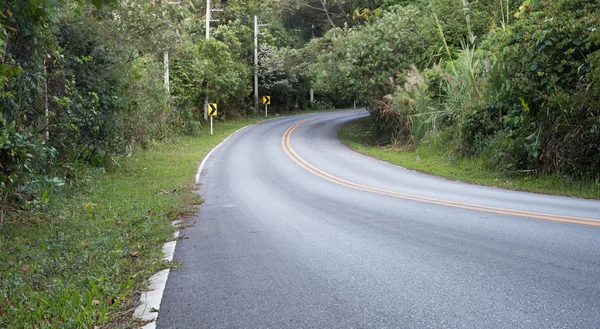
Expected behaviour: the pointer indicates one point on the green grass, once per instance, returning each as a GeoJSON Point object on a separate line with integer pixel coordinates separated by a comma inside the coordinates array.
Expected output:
{"type": "Point", "coordinates": [83, 262]}
{"type": "Point", "coordinates": [434, 159]}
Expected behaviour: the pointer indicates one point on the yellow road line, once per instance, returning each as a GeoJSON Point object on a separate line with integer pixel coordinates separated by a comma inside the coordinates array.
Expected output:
{"type": "Point", "coordinates": [292, 154]}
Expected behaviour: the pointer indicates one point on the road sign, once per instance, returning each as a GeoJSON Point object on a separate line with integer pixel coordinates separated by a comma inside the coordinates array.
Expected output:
{"type": "Point", "coordinates": [267, 100]}
{"type": "Point", "coordinates": [212, 109]}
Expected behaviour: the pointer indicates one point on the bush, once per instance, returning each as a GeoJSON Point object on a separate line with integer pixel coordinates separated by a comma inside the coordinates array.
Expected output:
{"type": "Point", "coordinates": [367, 63]}
{"type": "Point", "coordinates": [545, 75]}
{"type": "Point", "coordinates": [72, 95]}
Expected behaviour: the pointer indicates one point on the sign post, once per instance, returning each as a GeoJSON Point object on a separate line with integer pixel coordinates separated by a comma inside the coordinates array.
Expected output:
{"type": "Point", "coordinates": [267, 101]}
{"type": "Point", "coordinates": [212, 112]}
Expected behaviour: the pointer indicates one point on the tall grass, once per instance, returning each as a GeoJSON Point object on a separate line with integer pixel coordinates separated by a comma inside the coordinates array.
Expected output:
{"type": "Point", "coordinates": [505, 17]}
{"type": "Point", "coordinates": [463, 89]}
{"type": "Point", "coordinates": [442, 96]}
{"type": "Point", "coordinates": [437, 99]}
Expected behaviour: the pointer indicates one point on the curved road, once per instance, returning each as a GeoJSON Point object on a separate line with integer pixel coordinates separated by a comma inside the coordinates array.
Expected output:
{"type": "Point", "coordinates": [298, 231]}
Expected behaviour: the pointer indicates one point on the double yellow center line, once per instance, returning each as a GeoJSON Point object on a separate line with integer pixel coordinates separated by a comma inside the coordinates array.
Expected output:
{"type": "Point", "coordinates": [292, 154]}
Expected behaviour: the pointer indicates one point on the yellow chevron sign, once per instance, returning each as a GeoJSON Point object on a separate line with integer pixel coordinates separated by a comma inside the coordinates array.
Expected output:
{"type": "Point", "coordinates": [266, 100]}
{"type": "Point", "coordinates": [212, 109]}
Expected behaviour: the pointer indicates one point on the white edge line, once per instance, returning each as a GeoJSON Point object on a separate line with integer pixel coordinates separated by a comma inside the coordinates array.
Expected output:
{"type": "Point", "coordinates": [150, 299]}
{"type": "Point", "coordinates": [211, 151]}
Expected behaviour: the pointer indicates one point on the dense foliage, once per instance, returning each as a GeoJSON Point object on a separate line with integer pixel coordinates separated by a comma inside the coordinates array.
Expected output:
{"type": "Point", "coordinates": [513, 82]}
{"type": "Point", "coordinates": [543, 78]}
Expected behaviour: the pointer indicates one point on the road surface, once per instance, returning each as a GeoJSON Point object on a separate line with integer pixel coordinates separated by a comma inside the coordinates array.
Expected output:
{"type": "Point", "coordinates": [298, 231]}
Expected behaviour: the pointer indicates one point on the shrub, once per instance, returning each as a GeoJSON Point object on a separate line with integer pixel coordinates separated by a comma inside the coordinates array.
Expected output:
{"type": "Point", "coordinates": [545, 74]}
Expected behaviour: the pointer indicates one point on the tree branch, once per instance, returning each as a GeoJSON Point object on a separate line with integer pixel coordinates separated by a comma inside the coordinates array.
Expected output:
{"type": "Point", "coordinates": [315, 8]}
{"type": "Point", "coordinates": [324, 9]}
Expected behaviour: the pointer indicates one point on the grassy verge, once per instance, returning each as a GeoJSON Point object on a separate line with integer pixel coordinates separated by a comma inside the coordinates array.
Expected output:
{"type": "Point", "coordinates": [82, 262]}
{"type": "Point", "coordinates": [433, 159]}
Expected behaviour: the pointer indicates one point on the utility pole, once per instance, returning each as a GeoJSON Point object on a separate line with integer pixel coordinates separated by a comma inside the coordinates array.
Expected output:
{"type": "Point", "coordinates": [208, 20]}
{"type": "Point", "coordinates": [312, 93]}
{"type": "Point", "coordinates": [166, 67]}
{"type": "Point", "coordinates": [166, 53]}
{"type": "Point", "coordinates": [256, 33]}
{"type": "Point", "coordinates": [255, 63]}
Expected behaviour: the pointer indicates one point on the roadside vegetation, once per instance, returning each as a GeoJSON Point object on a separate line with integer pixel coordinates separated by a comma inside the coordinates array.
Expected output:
{"type": "Point", "coordinates": [510, 84]}
{"type": "Point", "coordinates": [432, 157]}
{"type": "Point", "coordinates": [83, 260]}
{"type": "Point", "coordinates": [96, 149]}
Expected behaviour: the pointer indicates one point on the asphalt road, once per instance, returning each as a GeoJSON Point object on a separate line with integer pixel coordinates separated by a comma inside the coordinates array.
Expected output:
{"type": "Point", "coordinates": [297, 231]}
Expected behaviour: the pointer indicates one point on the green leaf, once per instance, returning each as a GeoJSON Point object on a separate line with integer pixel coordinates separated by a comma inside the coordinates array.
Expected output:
{"type": "Point", "coordinates": [533, 67]}
{"type": "Point", "coordinates": [44, 198]}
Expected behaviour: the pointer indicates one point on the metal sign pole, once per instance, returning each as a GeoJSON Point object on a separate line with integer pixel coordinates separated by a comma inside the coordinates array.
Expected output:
{"type": "Point", "coordinates": [256, 64]}
{"type": "Point", "coordinates": [256, 34]}
{"type": "Point", "coordinates": [211, 127]}
{"type": "Point", "coordinates": [208, 20]}
{"type": "Point", "coordinates": [207, 37]}
{"type": "Point", "coordinates": [266, 110]}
